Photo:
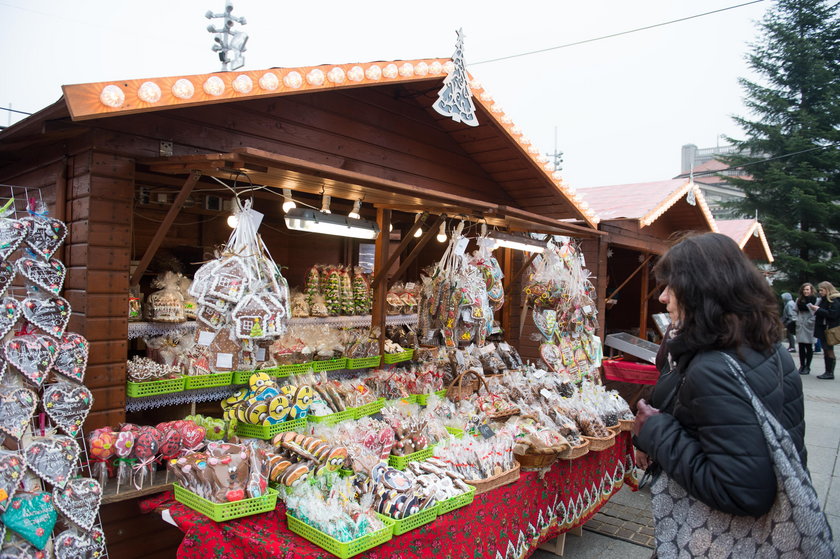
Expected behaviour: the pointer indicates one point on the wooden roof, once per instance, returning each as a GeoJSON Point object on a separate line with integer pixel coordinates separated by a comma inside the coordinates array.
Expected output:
{"type": "Point", "coordinates": [497, 145]}
{"type": "Point", "coordinates": [749, 234]}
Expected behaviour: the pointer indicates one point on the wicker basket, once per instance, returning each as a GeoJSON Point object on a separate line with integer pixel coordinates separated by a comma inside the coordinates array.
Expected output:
{"type": "Point", "coordinates": [490, 483]}
{"type": "Point", "coordinates": [600, 443]}
{"type": "Point", "coordinates": [575, 451]}
{"type": "Point", "coordinates": [626, 424]}
{"type": "Point", "coordinates": [536, 460]}
{"type": "Point", "coordinates": [457, 390]}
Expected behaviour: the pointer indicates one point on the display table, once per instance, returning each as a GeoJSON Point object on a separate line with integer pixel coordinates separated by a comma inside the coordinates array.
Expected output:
{"type": "Point", "coordinates": [507, 522]}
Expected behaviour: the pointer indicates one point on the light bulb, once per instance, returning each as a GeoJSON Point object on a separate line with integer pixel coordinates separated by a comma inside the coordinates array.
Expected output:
{"type": "Point", "coordinates": [419, 232]}
{"type": "Point", "coordinates": [233, 221]}
{"type": "Point", "coordinates": [354, 213]}
{"type": "Point", "coordinates": [288, 203]}
{"type": "Point", "coordinates": [325, 204]}
{"type": "Point", "coordinates": [441, 236]}
{"type": "Point", "coordinates": [390, 227]}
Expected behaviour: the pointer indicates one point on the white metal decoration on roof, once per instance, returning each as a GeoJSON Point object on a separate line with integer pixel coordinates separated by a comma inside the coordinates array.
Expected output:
{"type": "Point", "coordinates": [455, 97]}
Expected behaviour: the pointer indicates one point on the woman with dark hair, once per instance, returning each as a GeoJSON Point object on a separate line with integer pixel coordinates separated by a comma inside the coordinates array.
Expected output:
{"type": "Point", "coordinates": [827, 313]}
{"type": "Point", "coordinates": [805, 320]}
{"type": "Point", "coordinates": [704, 433]}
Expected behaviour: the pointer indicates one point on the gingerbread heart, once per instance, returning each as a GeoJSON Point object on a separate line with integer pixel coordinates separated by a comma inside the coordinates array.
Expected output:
{"type": "Point", "coordinates": [70, 544]}
{"type": "Point", "coordinates": [53, 458]}
{"type": "Point", "coordinates": [12, 234]}
{"type": "Point", "coordinates": [12, 467]}
{"type": "Point", "coordinates": [67, 405]}
{"type": "Point", "coordinates": [50, 315]}
{"type": "Point", "coordinates": [79, 501]}
{"type": "Point", "coordinates": [16, 408]}
{"type": "Point", "coordinates": [49, 275]}
{"type": "Point", "coordinates": [32, 355]}
{"type": "Point", "coordinates": [7, 275]}
{"type": "Point", "coordinates": [45, 235]}
{"type": "Point", "coordinates": [32, 517]}
{"type": "Point", "coordinates": [9, 313]}
{"type": "Point", "coordinates": [72, 357]}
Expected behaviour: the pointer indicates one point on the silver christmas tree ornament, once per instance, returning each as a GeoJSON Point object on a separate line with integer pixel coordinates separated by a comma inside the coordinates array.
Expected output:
{"type": "Point", "coordinates": [455, 98]}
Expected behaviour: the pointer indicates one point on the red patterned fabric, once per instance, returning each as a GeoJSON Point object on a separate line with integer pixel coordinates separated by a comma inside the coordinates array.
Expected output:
{"type": "Point", "coordinates": [505, 523]}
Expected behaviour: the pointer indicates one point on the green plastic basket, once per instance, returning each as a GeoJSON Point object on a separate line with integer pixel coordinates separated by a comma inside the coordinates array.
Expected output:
{"type": "Point", "coordinates": [363, 362]}
{"type": "Point", "coordinates": [455, 432]}
{"type": "Point", "coordinates": [207, 381]}
{"type": "Point", "coordinates": [294, 369]}
{"type": "Point", "coordinates": [391, 358]}
{"type": "Point", "coordinates": [266, 432]}
{"type": "Point", "coordinates": [456, 502]}
{"type": "Point", "coordinates": [328, 365]}
{"type": "Point", "coordinates": [423, 399]}
{"type": "Point", "coordinates": [242, 377]}
{"type": "Point", "coordinates": [337, 548]}
{"type": "Point", "coordinates": [369, 409]}
{"type": "Point", "coordinates": [413, 521]}
{"type": "Point", "coordinates": [226, 511]}
{"type": "Point", "coordinates": [332, 418]}
{"type": "Point", "coordinates": [412, 399]}
{"type": "Point", "coordinates": [141, 389]}
{"type": "Point", "coordinates": [400, 462]}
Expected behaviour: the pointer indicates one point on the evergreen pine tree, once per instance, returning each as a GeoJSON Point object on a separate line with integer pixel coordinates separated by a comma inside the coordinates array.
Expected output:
{"type": "Point", "coordinates": [791, 153]}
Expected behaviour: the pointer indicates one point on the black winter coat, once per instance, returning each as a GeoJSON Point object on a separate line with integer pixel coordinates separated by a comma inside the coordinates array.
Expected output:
{"type": "Point", "coordinates": [711, 442]}
{"type": "Point", "coordinates": [828, 316]}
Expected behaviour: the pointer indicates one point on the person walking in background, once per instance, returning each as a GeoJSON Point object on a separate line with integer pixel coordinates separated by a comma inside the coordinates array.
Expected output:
{"type": "Point", "coordinates": [827, 313]}
{"type": "Point", "coordinates": [789, 320]}
{"type": "Point", "coordinates": [805, 321]}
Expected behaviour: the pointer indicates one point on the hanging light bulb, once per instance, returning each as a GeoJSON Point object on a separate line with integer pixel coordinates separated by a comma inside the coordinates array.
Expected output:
{"type": "Point", "coordinates": [419, 232]}
{"type": "Point", "coordinates": [441, 236]}
{"type": "Point", "coordinates": [354, 213]}
{"type": "Point", "coordinates": [325, 204]}
{"type": "Point", "coordinates": [288, 203]}
{"type": "Point", "coordinates": [390, 227]}
{"type": "Point", "coordinates": [233, 221]}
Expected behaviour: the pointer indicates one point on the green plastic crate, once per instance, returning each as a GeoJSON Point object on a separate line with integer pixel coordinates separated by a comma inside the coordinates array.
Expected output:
{"type": "Point", "coordinates": [412, 399]}
{"type": "Point", "coordinates": [456, 502]}
{"type": "Point", "coordinates": [413, 521]}
{"type": "Point", "coordinates": [400, 462]}
{"type": "Point", "coordinates": [331, 419]}
{"type": "Point", "coordinates": [337, 548]}
{"type": "Point", "coordinates": [423, 399]}
{"type": "Point", "coordinates": [363, 362]}
{"type": "Point", "coordinates": [293, 369]}
{"type": "Point", "coordinates": [455, 432]}
{"type": "Point", "coordinates": [328, 365]}
{"type": "Point", "coordinates": [391, 358]}
{"type": "Point", "coordinates": [242, 377]}
{"type": "Point", "coordinates": [369, 409]}
{"type": "Point", "coordinates": [207, 381]}
{"type": "Point", "coordinates": [153, 388]}
{"type": "Point", "coordinates": [266, 432]}
{"type": "Point", "coordinates": [220, 512]}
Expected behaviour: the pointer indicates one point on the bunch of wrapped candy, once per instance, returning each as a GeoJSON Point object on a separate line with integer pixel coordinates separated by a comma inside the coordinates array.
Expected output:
{"type": "Point", "coordinates": [329, 510]}
{"type": "Point", "coordinates": [267, 402]}
{"type": "Point", "coordinates": [297, 456]}
{"type": "Point", "coordinates": [476, 458]}
{"type": "Point", "coordinates": [225, 472]}
{"type": "Point", "coordinates": [143, 369]}
{"type": "Point", "coordinates": [368, 441]}
{"type": "Point", "coordinates": [402, 382]}
{"type": "Point", "coordinates": [333, 395]}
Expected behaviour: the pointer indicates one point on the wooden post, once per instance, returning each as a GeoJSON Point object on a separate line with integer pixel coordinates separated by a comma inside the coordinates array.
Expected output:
{"type": "Point", "coordinates": [643, 304]}
{"type": "Point", "coordinates": [379, 276]}
{"type": "Point", "coordinates": [383, 241]}
{"type": "Point", "coordinates": [164, 227]}
{"type": "Point", "coordinates": [507, 266]}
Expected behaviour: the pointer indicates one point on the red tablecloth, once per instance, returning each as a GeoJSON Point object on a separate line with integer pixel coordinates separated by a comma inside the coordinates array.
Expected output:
{"type": "Point", "coordinates": [627, 371]}
{"type": "Point", "coordinates": [505, 523]}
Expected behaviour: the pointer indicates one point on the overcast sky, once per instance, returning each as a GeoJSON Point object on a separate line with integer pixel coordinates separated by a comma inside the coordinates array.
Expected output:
{"type": "Point", "coordinates": [622, 107]}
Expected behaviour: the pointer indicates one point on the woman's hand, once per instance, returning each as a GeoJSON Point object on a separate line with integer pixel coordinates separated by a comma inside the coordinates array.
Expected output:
{"type": "Point", "coordinates": [642, 460]}
{"type": "Point", "coordinates": [643, 413]}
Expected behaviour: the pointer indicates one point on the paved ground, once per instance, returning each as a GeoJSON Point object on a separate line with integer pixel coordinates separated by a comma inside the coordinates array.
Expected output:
{"type": "Point", "coordinates": [624, 527]}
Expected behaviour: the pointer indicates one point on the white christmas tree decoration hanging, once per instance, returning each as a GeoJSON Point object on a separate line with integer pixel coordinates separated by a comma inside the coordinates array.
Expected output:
{"type": "Point", "coordinates": [455, 98]}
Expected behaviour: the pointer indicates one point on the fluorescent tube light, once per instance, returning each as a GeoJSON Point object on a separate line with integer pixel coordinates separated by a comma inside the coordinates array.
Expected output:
{"type": "Point", "coordinates": [313, 221]}
{"type": "Point", "coordinates": [517, 242]}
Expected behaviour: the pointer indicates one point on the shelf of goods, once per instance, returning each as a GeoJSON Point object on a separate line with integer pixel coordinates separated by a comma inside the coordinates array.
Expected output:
{"type": "Point", "coordinates": [212, 394]}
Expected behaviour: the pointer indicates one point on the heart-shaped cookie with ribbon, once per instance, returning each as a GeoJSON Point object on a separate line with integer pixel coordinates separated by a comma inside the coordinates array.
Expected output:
{"type": "Point", "coordinates": [70, 544]}
{"type": "Point", "coordinates": [32, 355]}
{"type": "Point", "coordinates": [49, 275]}
{"type": "Point", "coordinates": [50, 315]}
{"type": "Point", "coordinates": [79, 501]}
{"type": "Point", "coordinates": [7, 275]}
{"type": "Point", "coordinates": [12, 234]}
{"type": "Point", "coordinates": [12, 467]}
{"type": "Point", "coordinates": [9, 313]}
{"type": "Point", "coordinates": [45, 235]}
{"type": "Point", "coordinates": [67, 405]}
{"type": "Point", "coordinates": [31, 516]}
{"type": "Point", "coordinates": [71, 360]}
{"type": "Point", "coordinates": [16, 408]}
{"type": "Point", "coordinates": [53, 458]}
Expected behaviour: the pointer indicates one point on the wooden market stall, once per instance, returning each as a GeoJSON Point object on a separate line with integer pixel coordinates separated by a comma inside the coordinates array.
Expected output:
{"type": "Point", "coordinates": [133, 168]}
{"type": "Point", "coordinates": [749, 234]}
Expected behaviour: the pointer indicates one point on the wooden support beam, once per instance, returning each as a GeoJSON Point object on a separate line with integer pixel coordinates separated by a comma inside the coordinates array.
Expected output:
{"type": "Point", "coordinates": [626, 281]}
{"type": "Point", "coordinates": [164, 227]}
{"type": "Point", "coordinates": [519, 273]}
{"type": "Point", "coordinates": [428, 235]}
{"type": "Point", "coordinates": [409, 235]}
{"type": "Point", "coordinates": [507, 267]}
{"type": "Point", "coordinates": [643, 304]}
{"type": "Point", "coordinates": [383, 242]}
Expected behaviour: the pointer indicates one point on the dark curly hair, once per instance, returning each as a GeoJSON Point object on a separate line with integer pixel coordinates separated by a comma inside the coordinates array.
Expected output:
{"type": "Point", "coordinates": [725, 301]}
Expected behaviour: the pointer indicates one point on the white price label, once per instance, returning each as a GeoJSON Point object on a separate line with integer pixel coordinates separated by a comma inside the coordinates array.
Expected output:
{"type": "Point", "coordinates": [461, 247]}
{"type": "Point", "coordinates": [587, 309]}
{"type": "Point", "coordinates": [489, 348]}
{"type": "Point", "coordinates": [224, 360]}
{"type": "Point", "coordinates": [410, 286]}
{"type": "Point", "coordinates": [546, 394]}
{"type": "Point", "coordinates": [205, 338]}
{"type": "Point", "coordinates": [260, 354]}
{"type": "Point", "coordinates": [540, 373]}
